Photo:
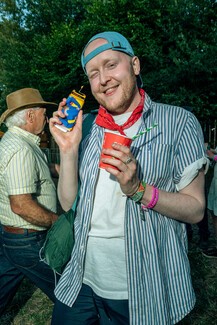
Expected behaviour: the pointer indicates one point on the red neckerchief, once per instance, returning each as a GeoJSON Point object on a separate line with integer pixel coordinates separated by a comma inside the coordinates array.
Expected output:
{"type": "Point", "coordinates": [106, 120]}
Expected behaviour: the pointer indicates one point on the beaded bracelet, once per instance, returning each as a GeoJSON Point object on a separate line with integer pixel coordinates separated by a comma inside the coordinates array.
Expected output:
{"type": "Point", "coordinates": [136, 197]}
{"type": "Point", "coordinates": [154, 199]}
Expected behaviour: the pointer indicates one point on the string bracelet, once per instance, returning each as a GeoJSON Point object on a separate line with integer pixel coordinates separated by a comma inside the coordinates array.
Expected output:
{"type": "Point", "coordinates": [154, 199]}
{"type": "Point", "coordinates": [215, 158]}
{"type": "Point", "coordinates": [137, 197]}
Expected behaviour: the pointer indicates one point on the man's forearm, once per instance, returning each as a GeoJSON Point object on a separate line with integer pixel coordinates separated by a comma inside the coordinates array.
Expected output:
{"type": "Point", "coordinates": [183, 206]}
{"type": "Point", "coordinates": [40, 216]}
{"type": "Point", "coordinates": [31, 211]}
{"type": "Point", "coordinates": [68, 180]}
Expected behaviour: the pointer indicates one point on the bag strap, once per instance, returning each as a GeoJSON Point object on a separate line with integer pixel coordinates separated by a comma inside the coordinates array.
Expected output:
{"type": "Point", "coordinates": [88, 122]}
{"type": "Point", "coordinates": [86, 126]}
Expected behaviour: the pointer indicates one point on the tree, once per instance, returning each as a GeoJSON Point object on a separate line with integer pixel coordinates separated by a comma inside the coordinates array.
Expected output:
{"type": "Point", "coordinates": [41, 43]}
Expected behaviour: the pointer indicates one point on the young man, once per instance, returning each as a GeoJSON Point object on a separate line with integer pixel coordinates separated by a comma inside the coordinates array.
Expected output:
{"type": "Point", "coordinates": [27, 196]}
{"type": "Point", "coordinates": [129, 264]}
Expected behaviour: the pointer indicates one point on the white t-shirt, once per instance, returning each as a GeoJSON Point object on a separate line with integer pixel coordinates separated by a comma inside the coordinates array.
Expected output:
{"type": "Point", "coordinates": [105, 263]}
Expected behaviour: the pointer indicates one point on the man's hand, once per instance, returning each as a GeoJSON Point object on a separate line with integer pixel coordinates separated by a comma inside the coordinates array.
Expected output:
{"type": "Point", "coordinates": [127, 168]}
{"type": "Point", "coordinates": [67, 141]}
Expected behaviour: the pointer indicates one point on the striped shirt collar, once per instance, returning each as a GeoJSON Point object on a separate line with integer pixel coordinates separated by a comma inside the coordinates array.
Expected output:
{"type": "Point", "coordinates": [25, 134]}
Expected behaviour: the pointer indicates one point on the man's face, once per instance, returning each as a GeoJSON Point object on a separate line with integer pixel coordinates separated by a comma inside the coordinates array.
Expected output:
{"type": "Point", "coordinates": [112, 77]}
{"type": "Point", "coordinates": [40, 120]}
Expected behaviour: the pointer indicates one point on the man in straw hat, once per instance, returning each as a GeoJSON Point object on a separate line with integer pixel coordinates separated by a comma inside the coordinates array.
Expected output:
{"type": "Point", "coordinates": [27, 195]}
{"type": "Point", "coordinates": [129, 263]}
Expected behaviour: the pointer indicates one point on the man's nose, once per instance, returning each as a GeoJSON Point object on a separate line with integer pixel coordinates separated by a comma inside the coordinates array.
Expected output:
{"type": "Point", "coordinates": [104, 77]}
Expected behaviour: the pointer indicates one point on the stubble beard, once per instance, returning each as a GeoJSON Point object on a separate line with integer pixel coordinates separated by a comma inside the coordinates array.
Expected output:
{"type": "Point", "coordinates": [122, 105]}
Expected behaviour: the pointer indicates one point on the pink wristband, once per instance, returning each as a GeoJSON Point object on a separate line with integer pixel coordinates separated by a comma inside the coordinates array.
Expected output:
{"type": "Point", "coordinates": [154, 199]}
{"type": "Point", "coordinates": [215, 157]}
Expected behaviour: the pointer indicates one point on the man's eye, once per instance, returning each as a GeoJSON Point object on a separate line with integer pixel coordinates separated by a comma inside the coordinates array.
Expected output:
{"type": "Point", "coordinates": [111, 65]}
{"type": "Point", "coordinates": [93, 75]}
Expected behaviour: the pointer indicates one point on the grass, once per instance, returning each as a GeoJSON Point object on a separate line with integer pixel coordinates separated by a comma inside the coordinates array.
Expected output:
{"type": "Point", "coordinates": [204, 277]}
{"type": "Point", "coordinates": [31, 307]}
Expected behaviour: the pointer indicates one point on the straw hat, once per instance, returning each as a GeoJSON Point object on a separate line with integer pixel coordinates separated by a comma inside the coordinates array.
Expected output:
{"type": "Point", "coordinates": [24, 98]}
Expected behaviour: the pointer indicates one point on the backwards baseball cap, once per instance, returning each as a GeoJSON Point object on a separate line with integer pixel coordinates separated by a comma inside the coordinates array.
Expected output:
{"type": "Point", "coordinates": [115, 42]}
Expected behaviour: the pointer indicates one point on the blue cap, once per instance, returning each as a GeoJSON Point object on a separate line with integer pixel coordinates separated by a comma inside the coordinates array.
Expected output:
{"type": "Point", "coordinates": [115, 42]}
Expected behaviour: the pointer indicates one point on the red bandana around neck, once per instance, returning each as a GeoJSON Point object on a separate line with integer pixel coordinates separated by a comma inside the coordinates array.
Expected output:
{"type": "Point", "coordinates": [106, 120]}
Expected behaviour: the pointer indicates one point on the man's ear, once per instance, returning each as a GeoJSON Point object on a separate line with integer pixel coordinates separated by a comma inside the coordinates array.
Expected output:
{"type": "Point", "coordinates": [136, 65]}
{"type": "Point", "coordinates": [30, 116]}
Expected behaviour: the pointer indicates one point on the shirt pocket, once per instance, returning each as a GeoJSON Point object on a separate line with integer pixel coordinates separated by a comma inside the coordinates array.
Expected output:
{"type": "Point", "coordinates": [156, 164]}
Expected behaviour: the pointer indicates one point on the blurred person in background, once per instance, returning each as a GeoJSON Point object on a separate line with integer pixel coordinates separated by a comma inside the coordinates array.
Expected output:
{"type": "Point", "coordinates": [212, 202]}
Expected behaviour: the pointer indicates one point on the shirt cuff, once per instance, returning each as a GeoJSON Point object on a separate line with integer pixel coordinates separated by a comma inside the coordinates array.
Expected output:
{"type": "Point", "coordinates": [191, 171]}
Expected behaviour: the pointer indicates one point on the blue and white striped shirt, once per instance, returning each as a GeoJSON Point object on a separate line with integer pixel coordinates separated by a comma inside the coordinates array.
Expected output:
{"type": "Point", "coordinates": [159, 282]}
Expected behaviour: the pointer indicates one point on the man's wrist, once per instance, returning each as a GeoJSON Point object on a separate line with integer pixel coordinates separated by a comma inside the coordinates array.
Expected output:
{"type": "Point", "coordinates": [154, 199]}
{"type": "Point", "coordinates": [138, 195]}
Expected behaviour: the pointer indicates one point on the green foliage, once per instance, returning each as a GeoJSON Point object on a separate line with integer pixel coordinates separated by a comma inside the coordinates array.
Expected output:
{"type": "Point", "coordinates": [41, 43]}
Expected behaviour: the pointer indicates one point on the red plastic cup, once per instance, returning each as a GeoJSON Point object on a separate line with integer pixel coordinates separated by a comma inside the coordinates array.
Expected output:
{"type": "Point", "coordinates": [109, 139]}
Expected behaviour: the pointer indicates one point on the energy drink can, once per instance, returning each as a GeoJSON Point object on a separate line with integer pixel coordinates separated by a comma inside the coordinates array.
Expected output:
{"type": "Point", "coordinates": [74, 103]}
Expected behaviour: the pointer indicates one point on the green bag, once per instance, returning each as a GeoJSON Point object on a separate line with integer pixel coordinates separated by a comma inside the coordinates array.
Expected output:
{"type": "Point", "coordinates": [59, 241]}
